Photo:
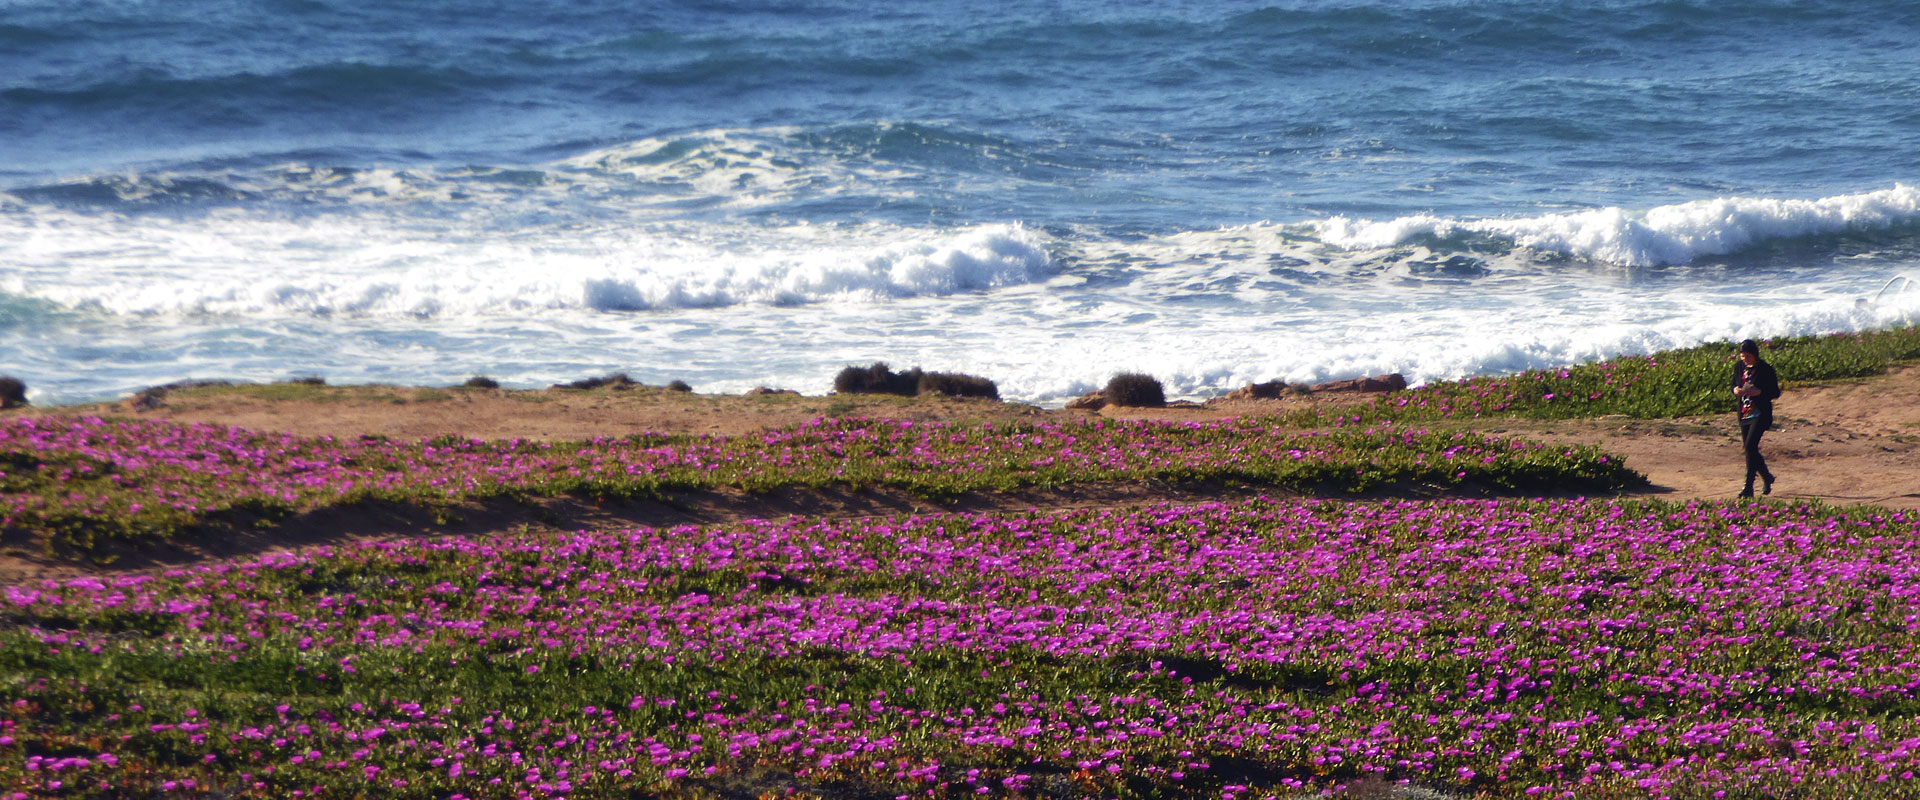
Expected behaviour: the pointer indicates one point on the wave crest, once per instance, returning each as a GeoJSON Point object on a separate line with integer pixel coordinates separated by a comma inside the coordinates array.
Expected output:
{"type": "Point", "coordinates": [724, 169]}
{"type": "Point", "coordinates": [1666, 235]}
{"type": "Point", "coordinates": [362, 268]}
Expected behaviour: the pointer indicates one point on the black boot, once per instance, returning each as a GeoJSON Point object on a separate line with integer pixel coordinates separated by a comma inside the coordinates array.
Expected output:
{"type": "Point", "coordinates": [1766, 485]}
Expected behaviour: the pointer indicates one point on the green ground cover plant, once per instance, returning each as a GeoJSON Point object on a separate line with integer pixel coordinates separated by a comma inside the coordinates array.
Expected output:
{"type": "Point", "coordinates": [90, 485]}
{"type": "Point", "coordinates": [1674, 383]}
{"type": "Point", "coordinates": [1265, 648]}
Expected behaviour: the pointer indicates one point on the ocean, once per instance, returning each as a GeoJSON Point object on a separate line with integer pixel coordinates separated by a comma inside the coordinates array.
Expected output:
{"type": "Point", "coordinates": [742, 193]}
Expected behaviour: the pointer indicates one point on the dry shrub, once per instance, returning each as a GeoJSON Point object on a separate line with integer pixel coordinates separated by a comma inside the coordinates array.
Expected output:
{"type": "Point", "coordinates": [877, 379]}
{"type": "Point", "coordinates": [618, 380]}
{"type": "Point", "coordinates": [1136, 390]}
{"type": "Point", "coordinates": [954, 384]}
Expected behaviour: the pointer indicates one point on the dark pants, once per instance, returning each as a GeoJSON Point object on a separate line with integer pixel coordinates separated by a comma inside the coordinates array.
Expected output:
{"type": "Point", "coordinates": [1750, 432]}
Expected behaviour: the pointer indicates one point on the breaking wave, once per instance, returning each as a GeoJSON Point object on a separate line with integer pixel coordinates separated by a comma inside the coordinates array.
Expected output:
{"type": "Point", "coordinates": [1666, 235]}
{"type": "Point", "coordinates": [364, 266]}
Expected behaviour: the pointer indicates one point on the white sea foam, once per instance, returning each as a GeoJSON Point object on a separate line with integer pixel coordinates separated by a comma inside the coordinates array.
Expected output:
{"type": "Point", "coordinates": [719, 169]}
{"type": "Point", "coordinates": [364, 295]}
{"type": "Point", "coordinates": [1423, 344]}
{"type": "Point", "coordinates": [735, 168]}
{"type": "Point", "coordinates": [363, 265]}
{"type": "Point", "coordinates": [1674, 234]}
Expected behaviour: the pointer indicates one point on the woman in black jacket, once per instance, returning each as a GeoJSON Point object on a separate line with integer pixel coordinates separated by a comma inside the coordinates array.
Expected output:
{"type": "Point", "coordinates": [1755, 386]}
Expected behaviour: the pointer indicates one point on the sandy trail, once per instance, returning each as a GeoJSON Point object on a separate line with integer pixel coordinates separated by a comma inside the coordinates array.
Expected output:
{"type": "Point", "coordinates": [1851, 443]}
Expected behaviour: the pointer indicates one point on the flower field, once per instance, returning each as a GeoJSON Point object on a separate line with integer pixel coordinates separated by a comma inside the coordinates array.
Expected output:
{"type": "Point", "coordinates": [1260, 648]}
{"type": "Point", "coordinates": [1277, 647]}
{"type": "Point", "coordinates": [87, 485]}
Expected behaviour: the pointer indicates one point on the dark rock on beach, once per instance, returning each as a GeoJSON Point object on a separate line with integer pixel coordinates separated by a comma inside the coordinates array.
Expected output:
{"type": "Point", "coordinates": [13, 392]}
{"type": "Point", "coordinates": [1091, 401]}
{"type": "Point", "coordinates": [617, 381]}
{"type": "Point", "coordinates": [154, 397]}
{"type": "Point", "coordinates": [1393, 382]}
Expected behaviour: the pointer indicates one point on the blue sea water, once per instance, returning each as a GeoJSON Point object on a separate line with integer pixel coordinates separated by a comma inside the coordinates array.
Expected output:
{"type": "Point", "coordinates": [762, 192]}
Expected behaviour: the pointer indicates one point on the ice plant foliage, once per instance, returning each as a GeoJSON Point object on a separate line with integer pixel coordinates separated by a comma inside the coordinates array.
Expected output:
{"type": "Point", "coordinates": [85, 483]}
{"type": "Point", "coordinates": [1260, 648]}
{"type": "Point", "coordinates": [1668, 384]}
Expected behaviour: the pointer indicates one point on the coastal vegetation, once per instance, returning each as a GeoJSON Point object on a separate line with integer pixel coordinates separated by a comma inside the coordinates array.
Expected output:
{"type": "Point", "coordinates": [880, 379]}
{"type": "Point", "coordinates": [90, 486]}
{"type": "Point", "coordinates": [1381, 602]}
{"type": "Point", "coordinates": [93, 487]}
{"type": "Point", "coordinates": [1673, 383]}
{"type": "Point", "coordinates": [1135, 390]}
{"type": "Point", "coordinates": [1257, 648]}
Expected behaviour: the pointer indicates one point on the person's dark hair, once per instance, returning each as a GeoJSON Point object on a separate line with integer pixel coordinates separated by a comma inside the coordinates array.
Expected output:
{"type": "Point", "coordinates": [1750, 346]}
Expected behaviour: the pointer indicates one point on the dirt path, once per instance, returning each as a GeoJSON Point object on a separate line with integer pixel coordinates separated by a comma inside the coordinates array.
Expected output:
{"type": "Point", "coordinates": [1851, 443]}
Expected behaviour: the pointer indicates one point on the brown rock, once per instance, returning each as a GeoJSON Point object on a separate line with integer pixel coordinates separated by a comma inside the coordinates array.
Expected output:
{"type": "Point", "coordinates": [1091, 401]}
{"type": "Point", "coordinates": [759, 390]}
{"type": "Point", "coordinates": [617, 381]}
{"type": "Point", "coordinates": [1392, 382]}
{"type": "Point", "coordinates": [1259, 391]}
{"type": "Point", "coordinates": [152, 398]}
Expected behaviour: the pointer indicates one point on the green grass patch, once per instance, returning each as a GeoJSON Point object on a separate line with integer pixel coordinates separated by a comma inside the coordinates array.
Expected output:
{"type": "Point", "coordinates": [1674, 383]}
{"type": "Point", "coordinates": [88, 486]}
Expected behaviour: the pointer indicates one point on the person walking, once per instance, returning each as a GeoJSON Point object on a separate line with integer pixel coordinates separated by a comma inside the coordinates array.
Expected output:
{"type": "Point", "coordinates": [1755, 387]}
